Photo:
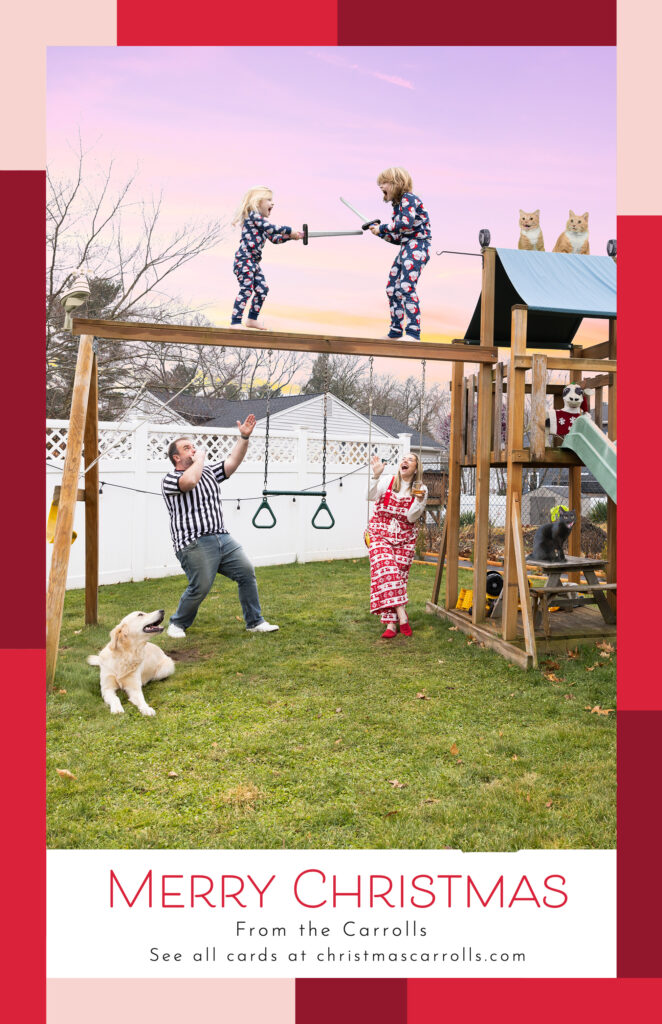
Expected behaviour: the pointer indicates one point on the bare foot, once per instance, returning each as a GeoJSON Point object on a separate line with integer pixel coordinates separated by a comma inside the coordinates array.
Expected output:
{"type": "Point", "coordinates": [257, 324]}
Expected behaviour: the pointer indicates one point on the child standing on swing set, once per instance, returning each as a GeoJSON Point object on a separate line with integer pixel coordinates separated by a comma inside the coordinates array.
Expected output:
{"type": "Point", "coordinates": [252, 216]}
{"type": "Point", "coordinates": [410, 229]}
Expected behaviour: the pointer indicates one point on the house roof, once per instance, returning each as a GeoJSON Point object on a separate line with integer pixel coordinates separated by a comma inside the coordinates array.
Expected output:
{"type": "Point", "coordinates": [224, 412]}
{"type": "Point", "coordinates": [560, 289]}
{"type": "Point", "coordinates": [395, 427]}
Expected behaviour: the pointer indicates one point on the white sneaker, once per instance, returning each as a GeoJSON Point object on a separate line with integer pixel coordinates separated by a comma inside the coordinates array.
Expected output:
{"type": "Point", "coordinates": [262, 627]}
{"type": "Point", "coordinates": [176, 632]}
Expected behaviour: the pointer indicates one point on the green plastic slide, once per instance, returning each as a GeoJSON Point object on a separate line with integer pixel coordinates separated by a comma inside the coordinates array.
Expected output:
{"type": "Point", "coordinates": [595, 450]}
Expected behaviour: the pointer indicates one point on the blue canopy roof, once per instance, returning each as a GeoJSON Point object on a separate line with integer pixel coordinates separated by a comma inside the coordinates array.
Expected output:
{"type": "Point", "coordinates": [559, 290]}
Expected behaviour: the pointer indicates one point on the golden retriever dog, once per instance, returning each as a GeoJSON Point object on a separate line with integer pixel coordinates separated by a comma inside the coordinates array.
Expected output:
{"type": "Point", "coordinates": [129, 661]}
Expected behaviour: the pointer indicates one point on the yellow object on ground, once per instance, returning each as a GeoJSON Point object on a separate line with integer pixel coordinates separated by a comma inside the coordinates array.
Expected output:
{"type": "Point", "coordinates": [50, 524]}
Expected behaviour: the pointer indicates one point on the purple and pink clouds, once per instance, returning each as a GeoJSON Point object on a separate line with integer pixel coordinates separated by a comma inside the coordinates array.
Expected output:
{"type": "Point", "coordinates": [483, 131]}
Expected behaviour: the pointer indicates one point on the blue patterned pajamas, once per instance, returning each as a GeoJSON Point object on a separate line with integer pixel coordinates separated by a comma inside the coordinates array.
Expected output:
{"type": "Point", "coordinates": [251, 281]}
{"type": "Point", "coordinates": [401, 288]}
{"type": "Point", "coordinates": [410, 229]}
{"type": "Point", "coordinates": [254, 233]}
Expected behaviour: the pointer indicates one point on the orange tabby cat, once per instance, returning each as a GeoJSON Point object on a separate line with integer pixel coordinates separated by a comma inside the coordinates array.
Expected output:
{"type": "Point", "coordinates": [530, 236]}
{"type": "Point", "coordinates": [575, 236]}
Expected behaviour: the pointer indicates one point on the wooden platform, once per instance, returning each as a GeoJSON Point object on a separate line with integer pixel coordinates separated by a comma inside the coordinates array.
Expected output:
{"type": "Point", "coordinates": [238, 337]}
{"type": "Point", "coordinates": [567, 631]}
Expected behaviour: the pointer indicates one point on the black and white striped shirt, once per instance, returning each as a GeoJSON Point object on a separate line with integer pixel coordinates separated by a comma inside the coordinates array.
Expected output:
{"type": "Point", "coordinates": [197, 512]}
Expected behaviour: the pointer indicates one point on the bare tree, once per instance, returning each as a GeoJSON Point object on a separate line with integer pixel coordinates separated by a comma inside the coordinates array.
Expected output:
{"type": "Point", "coordinates": [96, 226]}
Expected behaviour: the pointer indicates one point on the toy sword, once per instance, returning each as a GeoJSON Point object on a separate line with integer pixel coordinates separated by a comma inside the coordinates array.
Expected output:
{"type": "Point", "coordinates": [324, 234]}
{"type": "Point", "coordinates": [367, 223]}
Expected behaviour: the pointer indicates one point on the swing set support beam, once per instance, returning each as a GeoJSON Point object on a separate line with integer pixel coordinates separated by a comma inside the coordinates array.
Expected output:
{"type": "Point", "coordinates": [232, 337]}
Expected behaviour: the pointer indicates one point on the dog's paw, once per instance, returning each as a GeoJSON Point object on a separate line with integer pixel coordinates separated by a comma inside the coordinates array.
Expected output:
{"type": "Point", "coordinates": [119, 710]}
{"type": "Point", "coordinates": [148, 711]}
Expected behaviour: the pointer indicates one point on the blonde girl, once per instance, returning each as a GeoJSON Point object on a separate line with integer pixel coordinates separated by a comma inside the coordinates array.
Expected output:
{"type": "Point", "coordinates": [252, 217]}
{"type": "Point", "coordinates": [410, 229]}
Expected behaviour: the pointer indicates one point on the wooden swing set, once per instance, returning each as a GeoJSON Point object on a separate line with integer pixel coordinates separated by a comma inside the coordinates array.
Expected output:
{"type": "Point", "coordinates": [467, 448]}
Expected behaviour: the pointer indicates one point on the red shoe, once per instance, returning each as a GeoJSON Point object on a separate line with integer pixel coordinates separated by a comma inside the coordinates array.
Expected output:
{"type": "Point", "coordinates": [388, 633]}
{"type": "Point", "coordinates": [405, 628]}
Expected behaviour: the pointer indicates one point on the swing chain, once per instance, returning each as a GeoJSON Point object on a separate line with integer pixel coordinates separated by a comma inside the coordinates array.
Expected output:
{"type": "Point", "coordinates": [266, 435]}
{"type": "Point", "coordinates": [420, 425]}
{"type": "Point", "coordinates": [326, 396]}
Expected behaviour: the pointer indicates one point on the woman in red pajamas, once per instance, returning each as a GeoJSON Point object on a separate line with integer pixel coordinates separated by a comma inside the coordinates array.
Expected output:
{"type": "Point", "coordinates": [393, 529]}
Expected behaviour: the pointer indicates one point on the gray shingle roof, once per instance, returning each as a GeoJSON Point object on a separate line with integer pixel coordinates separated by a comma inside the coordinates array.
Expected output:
{"type": "Point", "coordinates": [395, 427]}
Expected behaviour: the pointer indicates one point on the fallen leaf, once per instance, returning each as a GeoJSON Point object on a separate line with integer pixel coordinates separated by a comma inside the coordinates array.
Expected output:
{"type": "Point", "coordinates": [603, 645]}
{"type": "Point", "coordinates": [440, 661]}
{"type": "Point", "coordinates": [65, 773]}
{"type": "Point", "coordinates": [77, 631]}
{"type": "Point", "coordinates": [551, 665]}
{"type": "Point", "coordinates": [455, 749]}
{"type": "Point", "coordinates": [238, 618]}
{"type": "Point", "coordinates": [605, 654]}
{"type": "Point", "coordinates": [528, 798]}
{"type": "Point", "coordinates": [172, 775]}
{"type": "Point", "coordinates": [422, 696]}
{"type": "Point", "coordinates": [552, 678]}
{"type": "Point", "coordinates": [597, 710]}
{"type": "Point", "coordinates": [549, 803]}
{"type": "Point", "coordinates": [337, 711]}
{"type": "Point", "coordinates": [568, 696]}
{"type": "Point", "coordinates": [514, 758]}
{"type": "Point", "coordinates": [338, 741]}
{"type": "Point", "coordinates": [453, 629]}
{"type": "Point", "coordinates": [500, 732]}
{"type": "Point", "coordinates": [389, 813]}
{"type": "Point", "coordinates": [590, 668]}
{"type": "Point", "coordinates": [573, 654]}
{"type": "Point", "coordinates": [396, 784]}
{"type": "Point", "coordinates": [459, 761]}
{"type": "Point", "coordinates": [214, 744]}
{"type": "Point", "coordinates": [61, 691]}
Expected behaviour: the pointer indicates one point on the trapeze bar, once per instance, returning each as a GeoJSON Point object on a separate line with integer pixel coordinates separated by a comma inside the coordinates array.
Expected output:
{"type": "Point", "coordinates": [296, 494]}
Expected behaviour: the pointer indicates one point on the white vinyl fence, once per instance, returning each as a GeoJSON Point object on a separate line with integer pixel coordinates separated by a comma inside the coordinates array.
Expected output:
{"type": "Point", "coordinates": [134, 530]}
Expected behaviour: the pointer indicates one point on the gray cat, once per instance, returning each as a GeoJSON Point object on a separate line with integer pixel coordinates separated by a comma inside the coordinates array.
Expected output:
{"type": "Point", "coordinates": [549, 538]}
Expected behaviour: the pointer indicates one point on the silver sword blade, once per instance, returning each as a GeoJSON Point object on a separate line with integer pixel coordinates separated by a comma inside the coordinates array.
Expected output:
{"type": "Point", "coordinates": [354, 210]}
{"type": "Point", "coordinates": [330, 234]}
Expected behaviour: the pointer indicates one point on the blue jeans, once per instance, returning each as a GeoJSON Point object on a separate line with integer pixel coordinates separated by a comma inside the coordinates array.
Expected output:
{"type": "Point", "coordinates": [201, 560]}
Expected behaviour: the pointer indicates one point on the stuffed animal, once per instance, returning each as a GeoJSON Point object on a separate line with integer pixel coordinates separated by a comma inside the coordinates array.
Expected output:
{"type": "Point", "coordinates": [559, 421]}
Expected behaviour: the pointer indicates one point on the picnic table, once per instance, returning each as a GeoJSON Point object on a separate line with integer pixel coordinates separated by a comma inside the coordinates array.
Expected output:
{"type": "Point", "coordinates": [569, 596]}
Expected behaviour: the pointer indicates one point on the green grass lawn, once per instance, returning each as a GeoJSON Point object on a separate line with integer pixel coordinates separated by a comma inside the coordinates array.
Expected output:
{"type": "Point", "coordinates": [325, 736]}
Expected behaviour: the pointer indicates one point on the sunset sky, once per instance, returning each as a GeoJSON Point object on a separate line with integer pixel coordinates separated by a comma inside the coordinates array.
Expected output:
{"type": "Point", "coordinates": [482, 131]}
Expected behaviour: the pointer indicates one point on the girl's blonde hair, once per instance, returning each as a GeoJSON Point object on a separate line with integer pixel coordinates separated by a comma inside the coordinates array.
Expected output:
{"type": "Point", "coordinates": [399, 177]}
{"type": "Point", "coordinates": [416, 479]}
{"type": "Point", "coordinates": [249, 203]}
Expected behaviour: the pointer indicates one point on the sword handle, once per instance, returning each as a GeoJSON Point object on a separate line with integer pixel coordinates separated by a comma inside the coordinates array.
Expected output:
{"type": "Point", "coordinates": [305, 234]}
{"type": "Point", "coordinates": [364, 227]}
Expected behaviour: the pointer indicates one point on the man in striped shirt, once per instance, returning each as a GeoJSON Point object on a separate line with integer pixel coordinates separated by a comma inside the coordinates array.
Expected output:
{"type": "Point", "coordinates": [202, 544]}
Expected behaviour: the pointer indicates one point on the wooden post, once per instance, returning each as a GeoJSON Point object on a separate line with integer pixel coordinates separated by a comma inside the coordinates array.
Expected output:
{"type": "Point", "coordinates": [522, 580]}
{"type": "Point", "coordinates": [516, 391]}
{"type": "Point", "coordinates": [497, 437]}
{"type": "Point", "coordinates": [483, 441]}
{"type": "Point", "coordinates": [611, 506]}
{"type": "Point", "coordinates": [538, 406]}
{"type": "Point", "coordinates": [91, 451]}
{"type": "Point", "coordinates": [57, 579]}
{"type": "Point", "coordinates": [440, 563]}
{"type": "Point", "coordinates": [575, 491]}
{"type": "Point", "coordinates": [454, 473]}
